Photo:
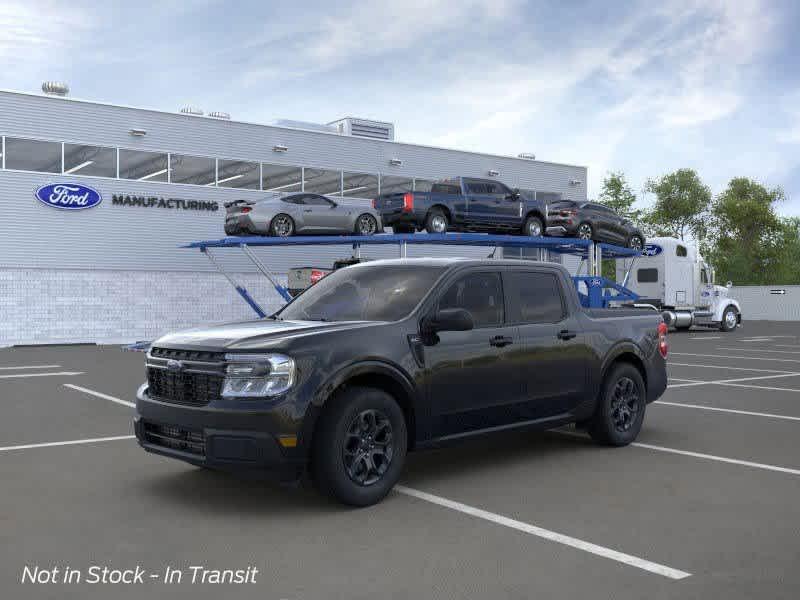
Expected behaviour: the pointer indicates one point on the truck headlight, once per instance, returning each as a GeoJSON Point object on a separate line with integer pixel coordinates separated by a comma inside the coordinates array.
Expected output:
{"type": "Point", "coordinates": [257, 375]}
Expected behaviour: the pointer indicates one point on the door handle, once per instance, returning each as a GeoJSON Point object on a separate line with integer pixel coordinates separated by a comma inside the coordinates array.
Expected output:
{"type": "Point", "coordinates": [308, 210]}
{"type": "Point", "coordinates": [565, 334]}
{"type": "Point", "coordinates": [501, 340]}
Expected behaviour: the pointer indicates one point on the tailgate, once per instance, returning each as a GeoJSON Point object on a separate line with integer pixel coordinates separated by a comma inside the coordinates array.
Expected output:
{"type": "Point", "coordinates": [389, 203]}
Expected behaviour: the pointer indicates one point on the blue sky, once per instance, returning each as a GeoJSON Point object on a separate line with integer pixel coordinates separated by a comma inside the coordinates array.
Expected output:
{"type": "Point", "coordinates": [640, 87]}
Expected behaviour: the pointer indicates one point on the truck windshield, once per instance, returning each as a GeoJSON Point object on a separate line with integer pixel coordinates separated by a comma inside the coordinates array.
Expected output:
{"type": "Point", "coordinates": [364, 293]}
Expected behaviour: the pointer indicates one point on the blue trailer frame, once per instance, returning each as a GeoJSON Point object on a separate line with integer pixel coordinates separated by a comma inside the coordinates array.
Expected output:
{"type": "Point", "coordinates": [600, 292]}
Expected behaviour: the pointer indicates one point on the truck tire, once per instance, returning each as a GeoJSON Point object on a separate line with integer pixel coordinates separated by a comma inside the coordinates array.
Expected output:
{"type": "Point", "coordinates": [585, 231]}
{"type": "Point", "coordinates": [533, 227]}
{"type": "Point", "coordinates": [359, 447]}
{"type": "Point", "coordinates": [436, 221]}
{"type": "Point", "coordinates": [730, 319]}
{"type": "Point", "coordinates": [635, 242]}
{"type": "Point", "coordinates": [282, 225]}
{"type": "Point", "coordinates": [620, 409]}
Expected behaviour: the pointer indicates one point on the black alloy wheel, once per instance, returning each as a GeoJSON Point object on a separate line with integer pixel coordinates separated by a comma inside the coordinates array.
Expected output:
{"type": "Point", "coordinates": [585, 231]}
{"type": "Point", "coordinates": [366, 224]}
{"type": "Point", "coordinates": [625, 403]}
{"type": "Point", "coordinates": [282, 225]}
{"type": "Point", "coordinates": [368, 447]}
{"type": "Point", "coordinates": [621, 405]}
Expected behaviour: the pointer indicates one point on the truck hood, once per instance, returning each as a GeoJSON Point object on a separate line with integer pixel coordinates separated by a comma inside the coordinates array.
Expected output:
{"type": "Point", "coordinates": [249, 335]}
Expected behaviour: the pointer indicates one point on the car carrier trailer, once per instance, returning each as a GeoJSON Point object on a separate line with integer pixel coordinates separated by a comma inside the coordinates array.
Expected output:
{"type": "Point", "coordinates": [594, 290]}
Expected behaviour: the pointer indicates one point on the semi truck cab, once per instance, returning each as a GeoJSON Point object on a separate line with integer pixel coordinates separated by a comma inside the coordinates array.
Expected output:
{"type": "Point", "coordinates": [673, 277]}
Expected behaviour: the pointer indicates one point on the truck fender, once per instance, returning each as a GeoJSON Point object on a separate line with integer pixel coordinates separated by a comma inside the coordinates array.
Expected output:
{"type": "Point", "coordinates": [366, 367]}
{"type": "Point", "coordinates": [620, 348]}
{"type": "Point", "coordinates": [723, 305]}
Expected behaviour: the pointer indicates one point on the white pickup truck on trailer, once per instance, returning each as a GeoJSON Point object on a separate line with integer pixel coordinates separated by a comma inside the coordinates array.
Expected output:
{"type": "Point", "coordinates": [672, 277]}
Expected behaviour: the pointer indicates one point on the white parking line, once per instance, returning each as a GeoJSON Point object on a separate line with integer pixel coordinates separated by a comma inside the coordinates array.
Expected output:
{"type": "Point", "coordinates": [791, 360]}
{"type": "Point", "coordinates": [30, 367]}
{"type": "Point", "coordinates": [68, 443]}
{"type": "Point", "coordinates": [712, 457]}
{"type": "Point", "coordinates": [786, 345]}
{"type": "Point", "coordinates": [749, 340]}
{"type": "Point", "coordinates": [729, 410]}
{"type": "Point", "coordinates": [18, 375]}
{"type": "Point", "coordinates": [711, 337]}
{"type": "Point", "coordinates": [725, 367]}
{"type": "Point", "coordinates": [726, 381]}
{"type": "Point", "coordinates": [99, 395]}
{"type": "Point", "coordinates": [761, 387]}
{"type": "Point", "coordinates": [546, 534]}
{"type": "Point", "coordinates": [760, 350]}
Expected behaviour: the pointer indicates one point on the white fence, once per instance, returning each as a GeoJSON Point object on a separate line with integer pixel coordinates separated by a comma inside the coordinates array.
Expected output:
{"type": "Point", "coordinates": [768, 302]}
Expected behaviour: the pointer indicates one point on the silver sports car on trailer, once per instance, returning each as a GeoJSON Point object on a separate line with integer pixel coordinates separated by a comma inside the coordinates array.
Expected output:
{"type": "Point", "coordinates": [283, 215]}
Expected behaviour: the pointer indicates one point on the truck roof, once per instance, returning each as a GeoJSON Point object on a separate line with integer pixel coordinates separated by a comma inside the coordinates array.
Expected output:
{"type": "Point", "coordinates": [450, 261]}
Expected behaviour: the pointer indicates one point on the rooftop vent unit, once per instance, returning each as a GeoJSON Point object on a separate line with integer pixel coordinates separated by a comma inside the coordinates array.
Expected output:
{"type": "Point", "coordinates": [55, 88]}
{"type": "Point", "coordinates": [376, 130]}
{"type": "Point", "coordinates": [304, 125]}
{"type": "Point", "coordinates": [216, 114]}
{"type": "Point", "coordinates": [192, 110]}
{"type": "Point", "coordinates": [527, 155]}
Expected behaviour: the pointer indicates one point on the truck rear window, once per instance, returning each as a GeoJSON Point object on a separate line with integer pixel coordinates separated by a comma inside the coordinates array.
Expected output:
{"type": "Point", "coordinates": [647, 275]}
{"type": "Point", "coordinates": [445, 188]}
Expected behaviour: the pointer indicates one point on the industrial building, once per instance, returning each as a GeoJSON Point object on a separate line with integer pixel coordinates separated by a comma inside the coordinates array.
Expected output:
{"type": "Point", "coordinates": [114, 272]}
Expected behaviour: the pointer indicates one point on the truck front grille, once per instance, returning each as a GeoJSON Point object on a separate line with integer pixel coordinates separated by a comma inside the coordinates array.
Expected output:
{"type": "Point", "coordinates": [175, 438]}
{"type": "Point", "coordinates": [185, 376]}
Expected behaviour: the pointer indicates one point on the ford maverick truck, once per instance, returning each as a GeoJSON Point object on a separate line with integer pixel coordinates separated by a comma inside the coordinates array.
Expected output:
{"type": "Point", "coordinates": [388, 356]}
{"type": "Point", "coordinates": [464, 204]}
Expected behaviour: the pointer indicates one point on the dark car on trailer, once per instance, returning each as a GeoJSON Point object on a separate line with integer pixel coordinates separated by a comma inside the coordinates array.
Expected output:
{"type": "Point", "coordinates": [464, 204]}
{"type": "Point", "coordinates": [593, 221]}
{"type": "Point", "coordinates": [384, 357]}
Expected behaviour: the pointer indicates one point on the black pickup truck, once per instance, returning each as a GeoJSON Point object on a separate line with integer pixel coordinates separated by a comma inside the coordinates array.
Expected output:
{"type": "Point", "coordinates": [384, 357]}
{"type": "Point", "coordinates": [464, 204]}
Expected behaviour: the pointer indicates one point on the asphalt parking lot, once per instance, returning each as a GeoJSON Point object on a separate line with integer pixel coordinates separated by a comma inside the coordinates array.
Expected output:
{"type": "Point", "coordinates": [705, 505]}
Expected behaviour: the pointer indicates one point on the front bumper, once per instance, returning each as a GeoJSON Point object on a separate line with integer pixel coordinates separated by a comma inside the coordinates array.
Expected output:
{"type": "Point", "coordinates": [250, 442]}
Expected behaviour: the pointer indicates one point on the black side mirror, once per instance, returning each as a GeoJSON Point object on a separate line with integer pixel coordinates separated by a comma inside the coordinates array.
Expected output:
{"type": "Point", "coordinates": [514, 195]}
{"type": "Point", "coordinates": [449, 319]}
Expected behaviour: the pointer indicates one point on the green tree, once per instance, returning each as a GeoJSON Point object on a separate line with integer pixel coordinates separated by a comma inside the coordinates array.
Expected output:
{"type": "Point", "coordinates": [681, 205]}
{"type": "Point", "coordinates": [748, 242]}
{"type": "Point", "coordinates": [618, 195]}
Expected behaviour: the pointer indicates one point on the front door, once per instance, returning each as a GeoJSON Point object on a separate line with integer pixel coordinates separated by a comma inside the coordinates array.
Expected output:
{"type": "Point", "coordinates": [321, 214]}
{"type": "Point", "coordinates": [468, 371]}
{"type": "Point", "coordinates": [553, 355]}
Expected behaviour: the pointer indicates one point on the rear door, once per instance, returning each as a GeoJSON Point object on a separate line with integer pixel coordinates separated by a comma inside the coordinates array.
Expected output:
{"type": "Point", "coordinates": [553, 355]}
{"type": "Point", "coordinates": [504, 209]}
{"type": "Point", "coordinates": [470, 373]}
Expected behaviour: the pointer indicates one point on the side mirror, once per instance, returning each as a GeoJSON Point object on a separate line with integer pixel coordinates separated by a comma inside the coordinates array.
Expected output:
{"type": "Point", "coordinates": [449, 319]}
{"type": "Point", "coordinates": [729, 285]}
{"type": "Point", "coordinates": [333, 204]}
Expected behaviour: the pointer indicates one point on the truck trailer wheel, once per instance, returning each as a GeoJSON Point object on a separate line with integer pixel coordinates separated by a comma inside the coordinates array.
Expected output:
{"type": "Point", "coordinates": [436, 222]}
{"type": "Point", "coordinates": [359, 447]}
{"type": "Point", "coordinates": [620, 409]}
{"type": "Point", "coordinates": [730, 319]}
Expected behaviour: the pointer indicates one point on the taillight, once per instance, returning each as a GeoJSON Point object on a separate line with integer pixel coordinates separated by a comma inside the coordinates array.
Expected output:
{"type": "Point", "coordinates": [408, 202]}
{"type": "Point", "coordinates": [246, 209]}
{"type": "Point", "coordinates": [663, 347]}
{"type": "Point", "coordinates": [374, 203]}
{"type": "Point", "coordinates": [569, 213]}
{"type": "Point", "coordinates": [316, 275]}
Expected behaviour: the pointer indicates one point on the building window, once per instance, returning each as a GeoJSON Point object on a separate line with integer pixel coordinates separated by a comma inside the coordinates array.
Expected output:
{"type": "Point", "coordinates": [144, 166]}
{"type": "Point", "coordinates": [280, 178]}
{"type": "Point", "coordinates": [423, 185]}
{"type": "Point", "coordinates": [238, 174]}
{"type": "Point", "coordinates": [33, 155]}
{"type": "Point", "coordinates": [90, 160]}
{"type": "Point", "coordinates": [323, 181]}
{"type": "Point", "coordinates": [396, 185]}
{"type": "Point", "coordinates": [195, 170]}
{"type": "Point", "coordinates": [360, 185]}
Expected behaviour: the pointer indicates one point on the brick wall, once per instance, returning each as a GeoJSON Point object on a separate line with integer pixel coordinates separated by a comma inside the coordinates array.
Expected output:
{"type": "Point", "coordinates": [40, 306]}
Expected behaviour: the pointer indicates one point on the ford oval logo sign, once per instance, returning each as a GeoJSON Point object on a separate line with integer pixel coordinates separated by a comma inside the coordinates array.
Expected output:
{"type": "Point", "coordinates": [68, 196]}
{"type": "Point", "coordinates": [652, 250]}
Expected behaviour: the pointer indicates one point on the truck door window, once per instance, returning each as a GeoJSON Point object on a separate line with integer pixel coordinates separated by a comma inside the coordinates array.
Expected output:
{"type": "Point", "coordinates": [536, 297]}
{"type": "Point", "coordinates": [647, 275]}
{"type": "Point", "coordinates": [680, 251]}
{"type": "Point", "coordinates": [703, 276]}
{"type": "Point", "coordinates": [476, 188]}
{"type": "Point", "coordinates": [481, 294]}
